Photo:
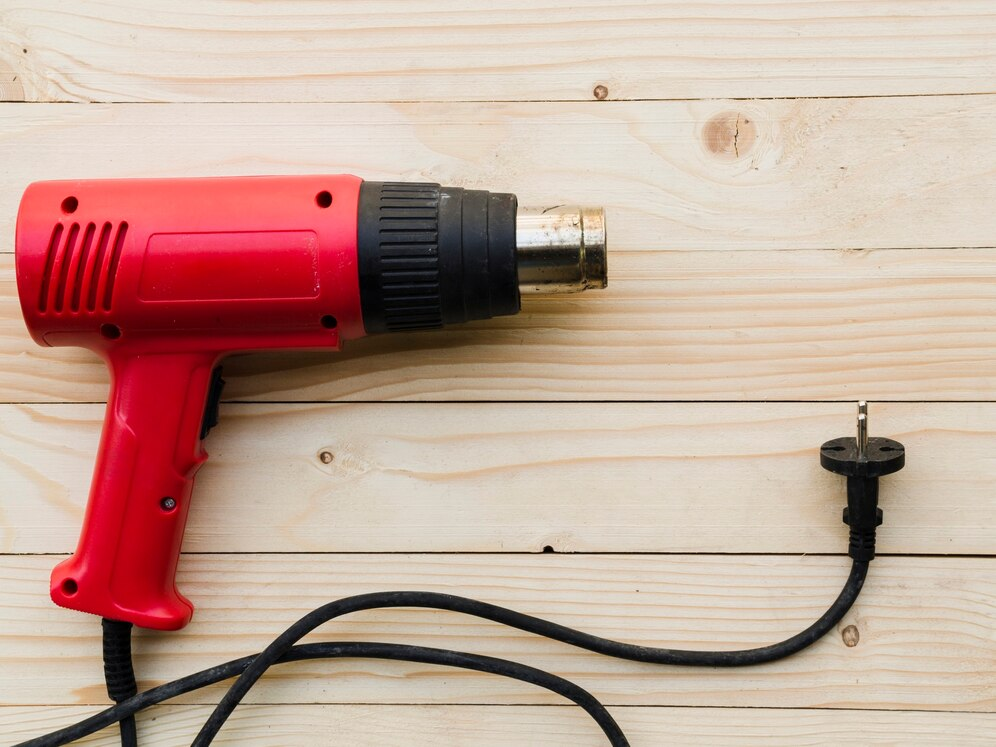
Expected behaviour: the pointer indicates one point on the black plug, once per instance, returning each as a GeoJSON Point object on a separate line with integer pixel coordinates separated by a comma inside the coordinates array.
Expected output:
{"type": "Point", "coordinates": [862, 460]}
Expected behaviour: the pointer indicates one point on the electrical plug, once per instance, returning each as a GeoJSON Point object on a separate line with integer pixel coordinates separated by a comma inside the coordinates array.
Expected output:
{"type": "Point", "coordinates": [862, 460]}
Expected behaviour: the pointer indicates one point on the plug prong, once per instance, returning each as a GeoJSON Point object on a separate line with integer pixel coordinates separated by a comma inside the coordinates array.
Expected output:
{"type": "Point", "coordinates": [862, 430]}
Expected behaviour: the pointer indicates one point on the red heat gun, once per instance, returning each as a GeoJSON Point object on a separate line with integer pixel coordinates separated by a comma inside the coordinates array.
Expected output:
{"type": "Point", "coordinates": [164, 277]}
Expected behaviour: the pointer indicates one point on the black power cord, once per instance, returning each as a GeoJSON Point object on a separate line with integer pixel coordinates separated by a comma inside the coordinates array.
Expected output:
{"type": "Point", "coordinates": [119, 673]}
{"type": "Point", "coordinates": [392, 651]}
{"type": "Point", "coordinates": [250, 668]}
{"type": "Point", "coordinates": [861, 459]}
{"type": "Point", "coordinates": [530, 624]}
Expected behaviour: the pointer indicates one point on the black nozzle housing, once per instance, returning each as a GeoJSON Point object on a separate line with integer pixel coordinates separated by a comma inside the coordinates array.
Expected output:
{"type": "Point", "coordinates": [431, 255]}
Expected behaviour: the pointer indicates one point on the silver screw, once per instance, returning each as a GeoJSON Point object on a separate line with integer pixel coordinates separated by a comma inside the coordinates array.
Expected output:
{"type": "Point", "coordinates": [167, 504]}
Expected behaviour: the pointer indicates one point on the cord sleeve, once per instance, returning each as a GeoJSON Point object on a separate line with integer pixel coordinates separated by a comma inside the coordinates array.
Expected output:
{"type": "Point", "coordinates": [119, 673]}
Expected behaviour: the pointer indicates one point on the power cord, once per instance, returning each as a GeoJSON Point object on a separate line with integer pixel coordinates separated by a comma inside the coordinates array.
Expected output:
{"type": "Point", "coordinates": [861, 460]}
{"type": "Point", "coordinates": [391, 651]}
{"type": "Point", "coordinates": [119, 673]}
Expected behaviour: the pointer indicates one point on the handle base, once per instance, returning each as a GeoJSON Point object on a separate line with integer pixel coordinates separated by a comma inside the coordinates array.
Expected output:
{"type": "Point", "coordinates": [72, 587]}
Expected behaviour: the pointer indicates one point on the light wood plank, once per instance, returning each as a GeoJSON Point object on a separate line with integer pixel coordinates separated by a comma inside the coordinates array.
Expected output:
{"type": "Point", "coordinates": [514, 726]}
{"type": "Point", "coordinates": [896, 325]}
{"type": "Point", "coordinates": [924, 629]}
{"type": "Point", "coordinates": [509, 50]}
{"type": "Point", "coordinates": [840, 173]}
{"type": "Point", "coordinates": [520, 477]}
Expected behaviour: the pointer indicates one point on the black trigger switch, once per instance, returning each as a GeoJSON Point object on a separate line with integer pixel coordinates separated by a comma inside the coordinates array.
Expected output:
{"type": "Point", "coordinates": [213, 402]}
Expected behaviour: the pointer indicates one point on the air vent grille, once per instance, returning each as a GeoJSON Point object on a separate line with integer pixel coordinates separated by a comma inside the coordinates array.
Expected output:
{"type": "Point", "coordinates": [80, 267]}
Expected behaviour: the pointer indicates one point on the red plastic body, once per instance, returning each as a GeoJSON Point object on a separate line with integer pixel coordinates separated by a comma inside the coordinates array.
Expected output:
{"type": "Point", "coordinates": [162, 278]}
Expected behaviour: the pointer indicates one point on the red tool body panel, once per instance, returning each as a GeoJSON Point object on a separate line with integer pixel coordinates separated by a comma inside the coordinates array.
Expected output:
{"type": "Point", "coordinates": [162, 278]}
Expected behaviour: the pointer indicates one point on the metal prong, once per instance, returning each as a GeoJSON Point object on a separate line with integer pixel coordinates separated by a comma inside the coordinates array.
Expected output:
{"type": "Point", "coordinates": [862, 430]}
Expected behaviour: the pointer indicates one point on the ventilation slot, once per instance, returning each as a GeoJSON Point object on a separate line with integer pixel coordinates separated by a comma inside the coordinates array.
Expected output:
{"type": "Point", "coordinates": [81, 260]}
{"type": "Point", "coordinates": [92, 276]}
{"type": "Point", "coordinates": [112, 269]}
{"type": "Point", "coordinates": [63, 262]}
{"type": "Point", "coordinates": [53, 248]}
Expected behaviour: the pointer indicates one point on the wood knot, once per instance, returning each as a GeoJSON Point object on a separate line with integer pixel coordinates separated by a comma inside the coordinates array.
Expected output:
{"type": "Point", "coordinates": [325, 457]}
{"type": "Point", "coordinates": [851, 636]}
{"type": "Point", "coordinates": [729, 135]}
{"type": "Point", "coordinates": [600, 92]}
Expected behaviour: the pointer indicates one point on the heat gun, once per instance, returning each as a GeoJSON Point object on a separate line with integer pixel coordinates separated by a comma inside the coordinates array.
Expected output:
{"type": "Point", "coordinates": [164, 277]}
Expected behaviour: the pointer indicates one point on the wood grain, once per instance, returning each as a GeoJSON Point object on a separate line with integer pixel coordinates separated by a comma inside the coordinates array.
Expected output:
{"type": "Point", "coordinates": [520, 477]}
{"type": "Point", "coordinates": [514, 726]}
{"type": "Point", "coordinates": [924, 627]}
{"type": "Point", "coordinates": [509, 50]}
{"type": "Point", "coordinates": [893, 325]}
{"type": "Point", "coordinates": [809, 174]}
{"type": "Point", "coordinates": [798, 210]}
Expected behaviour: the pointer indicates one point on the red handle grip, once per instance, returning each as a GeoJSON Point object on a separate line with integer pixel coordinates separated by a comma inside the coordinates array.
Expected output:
{"type": "Point", "coordinates": [125, 565]}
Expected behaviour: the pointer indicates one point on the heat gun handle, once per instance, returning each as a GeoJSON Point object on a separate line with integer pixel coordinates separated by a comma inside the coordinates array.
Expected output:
{"type": "Point", "coordinates": [125, 564]}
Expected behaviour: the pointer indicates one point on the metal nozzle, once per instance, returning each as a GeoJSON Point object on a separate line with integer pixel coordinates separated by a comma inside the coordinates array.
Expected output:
{"type": "Point", "coordinates": [561, 249]}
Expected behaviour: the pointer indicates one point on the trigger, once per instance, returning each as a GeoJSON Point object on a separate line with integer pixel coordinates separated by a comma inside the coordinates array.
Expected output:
{"type": "Point", "coordinates": [213, 402]}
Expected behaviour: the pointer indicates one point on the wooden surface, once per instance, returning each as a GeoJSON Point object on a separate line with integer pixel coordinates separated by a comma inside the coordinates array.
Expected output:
{"type": "Point", "coordinates": [509, 50]}
{"type": "Point", "coordinates": [924, 619]}
{"type": "Point", "coordinates": [518, 477]}
{"type": "Point", "coordinates": [799, 198]}
{"type": "Point", "coordinates": [514, 726]}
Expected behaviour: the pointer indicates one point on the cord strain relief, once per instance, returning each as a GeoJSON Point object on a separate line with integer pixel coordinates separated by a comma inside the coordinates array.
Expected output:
{"type": "Point", "coordinates": [861, 546]}
{"type": "Point", "coordinates": [119, 673]}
